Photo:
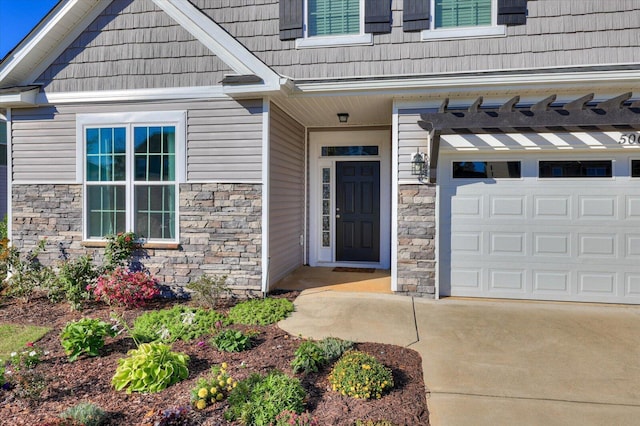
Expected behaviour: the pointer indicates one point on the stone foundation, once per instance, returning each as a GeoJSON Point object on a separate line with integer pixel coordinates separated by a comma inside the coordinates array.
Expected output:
{"type": "Point", "coordinates": [416, 240]}
{"type": "Point", "coordinates": [220, 232]}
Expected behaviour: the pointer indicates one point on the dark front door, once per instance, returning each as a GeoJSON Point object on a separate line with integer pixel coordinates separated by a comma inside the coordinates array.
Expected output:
{"type": "Point", "coordinates": [358, 211]}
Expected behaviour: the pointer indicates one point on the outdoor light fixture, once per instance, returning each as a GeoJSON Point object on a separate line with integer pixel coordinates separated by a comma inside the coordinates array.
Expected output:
{"type": "Point", "coordinates": [343, 117]}
{"type": "Point", "coordinates": [420, 165]}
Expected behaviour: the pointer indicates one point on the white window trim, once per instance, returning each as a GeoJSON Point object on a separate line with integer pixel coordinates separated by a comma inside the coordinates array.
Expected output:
{"type": "Point", "coordinates": [129, 120]}
{"type": "Point", "coordinates": [494, 30]}
{"type": "Point", "coordinates": [362, 39]}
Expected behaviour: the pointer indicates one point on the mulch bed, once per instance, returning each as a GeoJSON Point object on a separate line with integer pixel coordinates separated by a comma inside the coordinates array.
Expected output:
{"type": "Point", "coordinates": [89, 379]}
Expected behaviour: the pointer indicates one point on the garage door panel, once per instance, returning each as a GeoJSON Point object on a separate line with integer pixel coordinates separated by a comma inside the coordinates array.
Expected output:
{"type": "Point", "coordinates": [533, 238]}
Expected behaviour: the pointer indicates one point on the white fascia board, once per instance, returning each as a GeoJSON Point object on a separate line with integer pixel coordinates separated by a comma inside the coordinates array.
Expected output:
{"type": "Point", "coordinates": [171, 93]}
{"type": "Point", "coordinates": [216, 39]}
{"type": "Point", "coordinates": [19, 100]}
{"type": "Point", "coordinates": [32, 57]}
{"type": "Point", "coordinates": [573, 79]}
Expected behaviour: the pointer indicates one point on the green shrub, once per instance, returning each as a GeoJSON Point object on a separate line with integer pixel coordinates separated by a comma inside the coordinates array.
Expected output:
{"type": "Point", "coordinates": [260, 311]}
{"type": "Point", "coordinates": [232, 341]}
{"type": "Point", "coordinates": [360, 375]}
{"type": "Point", "coordinates": [85, 336]}
{"type": "Point", "coordinates": [119, 250]}
{"type": "Point", "coordinates": [86, 414]}
{"type": "Point", "coordinates": [308, 358]}
{"type": "Point", "coordinates": [208, 290]}
{"type": "Point", "coordinates": [179, 322]}
{"type": "Point", "coordinates": [258, 399]}
{"type": "Point", "coordinates": [27, 273]}
{"type": "Point", "coordinates": [151, 367]}
{"type": "Point", "coordinates": [212, 389]}
{"type": "Point", "coordinates": [72, 280]}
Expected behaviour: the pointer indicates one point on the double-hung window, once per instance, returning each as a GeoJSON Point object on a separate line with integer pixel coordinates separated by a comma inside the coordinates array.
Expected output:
{"type": "Point", "coordinates": [333, 23]}
{"type": "Point", "coordinates": [132, 165]}
{"type": "Point", "coordinates": [463, 18]}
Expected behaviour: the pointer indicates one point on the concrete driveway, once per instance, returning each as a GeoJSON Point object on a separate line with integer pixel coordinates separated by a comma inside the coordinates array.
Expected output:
{"type": "Point", "coordinates": [498, 362]}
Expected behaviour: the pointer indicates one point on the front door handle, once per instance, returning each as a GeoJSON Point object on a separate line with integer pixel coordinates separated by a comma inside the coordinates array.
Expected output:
{"type": "Point", "coordinates": [337, 216]}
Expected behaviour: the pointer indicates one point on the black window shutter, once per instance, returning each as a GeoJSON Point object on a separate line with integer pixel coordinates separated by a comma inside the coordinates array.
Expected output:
{"type": "Point", "coordinates": [415, 16]}
{"type": "Point", "coordinates": [512, 12]}
{"type": "Point", "coordinates": [291, 19]}
{"type": "Point", "coordinates": [377, 16]}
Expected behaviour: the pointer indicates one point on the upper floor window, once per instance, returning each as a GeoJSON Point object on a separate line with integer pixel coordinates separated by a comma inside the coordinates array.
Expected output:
{"type": "Point", "coordinates": [132, 165]}
{"type": "Point", "coordinates": [451, 19]}
{"type": "Point", "coordinates": [333, 22]}
{"type": "Point", "coordinates": [463, 18]}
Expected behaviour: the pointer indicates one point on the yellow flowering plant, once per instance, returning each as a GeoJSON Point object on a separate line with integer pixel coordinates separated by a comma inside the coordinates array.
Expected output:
{"type": "Point", "coordinates": [213, 388]}
{"type": "Point", "coordinates": [360, 375]}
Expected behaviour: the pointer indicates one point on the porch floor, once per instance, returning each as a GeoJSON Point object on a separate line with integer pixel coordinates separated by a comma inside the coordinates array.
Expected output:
{"type": "Point", "coordinates": [323, 279]}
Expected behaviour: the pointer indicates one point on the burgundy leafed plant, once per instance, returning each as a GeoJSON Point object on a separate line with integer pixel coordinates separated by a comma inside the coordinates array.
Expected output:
{"type": "Point", "coordinates": [125, 288]}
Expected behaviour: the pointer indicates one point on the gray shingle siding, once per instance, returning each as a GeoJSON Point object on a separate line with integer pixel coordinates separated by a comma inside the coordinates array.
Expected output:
{"type": "Point", "coordinates": [133, 45]}
{"type": "Point", "coordinates": [557, 33]}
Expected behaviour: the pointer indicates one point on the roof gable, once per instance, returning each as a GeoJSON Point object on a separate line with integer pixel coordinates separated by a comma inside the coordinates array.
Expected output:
{"type": "Point", "coordinates": [50, 47]}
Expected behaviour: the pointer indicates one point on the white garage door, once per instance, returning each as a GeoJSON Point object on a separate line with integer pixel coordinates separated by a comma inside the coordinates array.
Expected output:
{"type": "Point", "coordinates": [540, 226]}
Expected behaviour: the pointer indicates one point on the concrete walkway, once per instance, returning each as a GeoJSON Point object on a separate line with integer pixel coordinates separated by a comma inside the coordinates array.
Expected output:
{"type": "Point", "coordinates": [498, 362]}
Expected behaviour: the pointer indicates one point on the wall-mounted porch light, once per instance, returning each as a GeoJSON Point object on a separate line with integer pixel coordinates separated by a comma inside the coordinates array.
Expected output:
{"type": "Point", "coordinates": [420, 165]}
{"type": "Point", "coordinates": [343, 117]}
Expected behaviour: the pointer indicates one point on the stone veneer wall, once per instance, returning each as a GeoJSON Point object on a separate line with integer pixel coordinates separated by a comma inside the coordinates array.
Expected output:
{"type": "Point", "coordinates": [220, 231]}
{"type": "Point", "coordinates": [416, 240]}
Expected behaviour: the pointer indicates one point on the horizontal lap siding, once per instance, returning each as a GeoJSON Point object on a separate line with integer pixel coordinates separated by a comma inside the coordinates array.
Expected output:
{"type": "Point", "coordinates": [286, 193]}
{"type": "Point", "coordinates": [557, 33]}
{"type": "Point", "coordinates": [411, 137]}
{"type": "Point", "coordinates": [219, 148]}
{"type": "Point", "coordinates": [133, 45]}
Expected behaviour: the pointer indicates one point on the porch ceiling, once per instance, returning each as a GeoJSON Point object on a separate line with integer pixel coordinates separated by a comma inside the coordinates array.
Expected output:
{"type": "Point", "coordinates": [322, 110]}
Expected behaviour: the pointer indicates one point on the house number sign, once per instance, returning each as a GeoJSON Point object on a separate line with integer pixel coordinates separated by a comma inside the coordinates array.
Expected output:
{"type": "Point", "coordinates": [629, 138]}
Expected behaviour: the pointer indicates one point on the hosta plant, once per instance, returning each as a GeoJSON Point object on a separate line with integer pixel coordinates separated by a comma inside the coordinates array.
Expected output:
{"type": "Point", "coordinates": [230, 340]}
{"type": "Point", "coordinates": [85, 336]}
{"type": "Point", "coordinates": [124, 287]}
{"type": "Point", "coordinates": [360, 375]}
{"type": "Point", "coordinates": [258, 399]}
{"type": "Point", "coordinates": [151, 367]}
{"type": "Point", "coordinates": [260, 311]}
{"type": "Point", "coordinates": [214, 388]}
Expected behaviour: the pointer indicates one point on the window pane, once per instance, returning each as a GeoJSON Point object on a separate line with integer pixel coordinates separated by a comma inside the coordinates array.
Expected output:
{"type": "Point", "coordinates": [486, 169]}
{"type": "Point", "coordinates": [333, 17]}
{"type": "Point", "coordinates": [106, 154]}
{"type": "Point", "coordinates": [155, 153]}
{"type": "Point", "coordinates": [106, 207]}
{"type": "Point", "coordinates": [155, 211]}
{"type": "Point", "coordinates": [333, 151]}
{"type": "Point", "coordinates": [462, 13]}
{"type": "Point", "coordinates": [635, 168]}
{"type": "Point", "coordinates": [575, 169]}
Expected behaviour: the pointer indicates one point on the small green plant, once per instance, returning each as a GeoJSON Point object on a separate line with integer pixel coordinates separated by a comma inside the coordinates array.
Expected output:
{"type": "Point", "coordinates": [258, 399]}
{"type": "Point", "coordinates": [85, 414]}
{"type": "Point", "coordinates": [333, 348]}
{"type": "Point", "coordinates": [26, 273]}
{"type": "Point", "coordinates": [260, 311]}
{"type": "Point", "coordinates": [291, 418]}
{"type": "Point", "coordinates": [214, 388]}
{"type": "Point", "coordinates": [74, 276]}
{"type": "Point", "coordinates": [119, 250]}
{"type": "Point", "coordinates": [151, 367]}
{"type": "Point", "coordinates": [232, 341]}
{"type": "Point", "coordinates": [85, 336]}
{"type": "Point", "coordinates": [123, 287]}
{"type": "Point", "coordinates": [208, 290]}
{"type": "Point", "coordinates": [308, 358]}
{"type": "Point", "coordinates": [27, 359]}
{"type": "Point", "coordinates": [361, 376]}
{"type": "Point", "coordinates": [179, 322]}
